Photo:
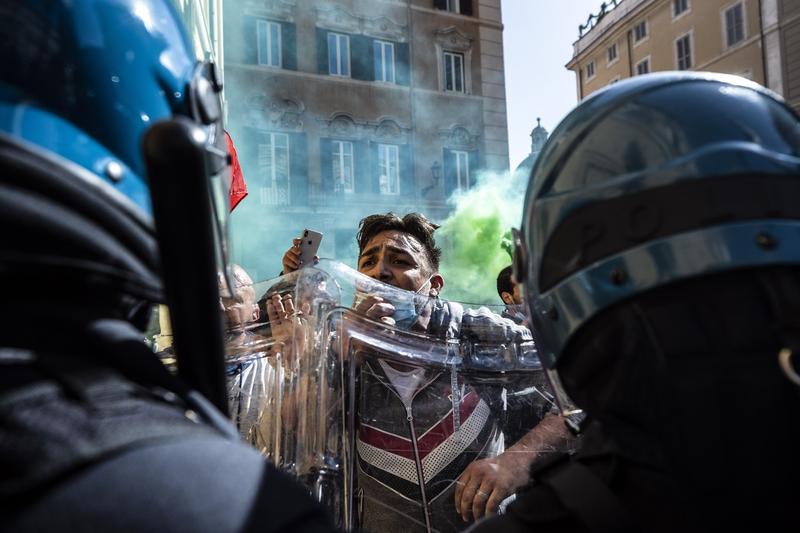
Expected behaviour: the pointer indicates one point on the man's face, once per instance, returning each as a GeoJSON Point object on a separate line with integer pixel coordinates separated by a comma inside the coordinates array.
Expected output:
{"type": "Point", "coordinates": [517, 293]}
{"type": "Point", "coordinates": [398, 259]}
{"type": "Point", "coordinates": [238, 313]}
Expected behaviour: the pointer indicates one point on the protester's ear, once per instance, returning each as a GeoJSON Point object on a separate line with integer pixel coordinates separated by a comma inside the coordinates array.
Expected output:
{"type": "Point", "coordinates": [507, 298]}
{"type": "Point", "coordinates": [256, 314]}
{"type": "Point", "coordinates": [437, 284]}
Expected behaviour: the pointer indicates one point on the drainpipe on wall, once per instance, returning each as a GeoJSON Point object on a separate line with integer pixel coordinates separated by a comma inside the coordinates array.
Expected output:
{"type": "Point", "coordinates": [630, 54]}
{"type": "Point", "coordinates": [763, 48]}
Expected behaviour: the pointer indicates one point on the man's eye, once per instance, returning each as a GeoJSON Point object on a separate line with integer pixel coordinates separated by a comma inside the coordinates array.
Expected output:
{"type": "Point", "coordinates": [366, 262]}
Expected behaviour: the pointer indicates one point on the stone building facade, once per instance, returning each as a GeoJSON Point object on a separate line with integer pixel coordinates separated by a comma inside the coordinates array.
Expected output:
{"type": "Point", "coordinates": [344, 108]}
{"type": "Point", "coordinates": [757, 39]}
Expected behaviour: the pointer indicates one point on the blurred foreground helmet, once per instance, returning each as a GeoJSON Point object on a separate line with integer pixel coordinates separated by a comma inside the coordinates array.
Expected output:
{"type": "Point", "coordinates": [652, 181]}
{"type": "Point", "coordinates": [110, 129]}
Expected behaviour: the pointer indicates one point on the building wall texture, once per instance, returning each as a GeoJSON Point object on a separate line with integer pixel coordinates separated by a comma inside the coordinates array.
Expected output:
{"type": "Point", "coordinates": [299, 99]}
{"type": "Point", "coordinates": [766, 48]}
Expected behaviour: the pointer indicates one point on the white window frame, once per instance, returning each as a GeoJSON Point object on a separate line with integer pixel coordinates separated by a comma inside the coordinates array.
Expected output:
{"type": "Point", "coordinates": [388, 154]}
{"type": "Point", "coordinates": [265, 56]}
{"type": "Point", "coordinates": [690, 35]}
{"type": "Point", "coordinates": [641, 62]}
{"type": "Point", "coordinates": [385, 46]}
{"type": "Point", "coordinates": [590, 77]}
{"type": "Point", "coordinates": [646, 32]}
{"type": "Point", "coordinates": [461, 162]}
{"type": "Point", "coordinates": [724, 18]}
{"type": "Point", "coordinates": [677, 16]}
{"type": "Point", "coordinates": [269, 193]}
{"type": "Point", "coordinates": [338, 38]}
{"type": "Point", "coordinates": [453, 6]}
{"type": "Point", "coordinates": [341, 152]}
{"type": "Point", "coordinates": [460, 71]}
{"type": "Point", "coordinates": [609, 60]}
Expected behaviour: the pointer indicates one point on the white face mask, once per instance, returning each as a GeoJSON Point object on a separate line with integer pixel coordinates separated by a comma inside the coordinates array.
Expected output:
{"type": "Point", "coordinates": [405, 310]}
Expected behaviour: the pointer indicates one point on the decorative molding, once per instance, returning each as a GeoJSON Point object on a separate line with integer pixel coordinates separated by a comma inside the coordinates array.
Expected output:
{"type": "Point", "coordinates": [458, 137]}
{"type": "Point", "coordinates": [338, 18]}
{"type": "Point", "coordinates": [280, 10]}
{"type": "Point", "coordinates": [342, 125]}
{"type": "Point", "coordinates": [384, 28]}
{"type": "Point", "coordinates": [452, 39]}
{"type": "Point", "coordinates": [280, 114]}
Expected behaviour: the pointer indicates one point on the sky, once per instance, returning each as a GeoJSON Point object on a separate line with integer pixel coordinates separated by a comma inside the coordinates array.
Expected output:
{"type": "Point", "coordinates": [538, 38]}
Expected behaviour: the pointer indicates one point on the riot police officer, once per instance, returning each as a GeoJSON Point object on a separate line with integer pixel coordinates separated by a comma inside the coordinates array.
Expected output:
{"type": "Point", "coordinates": [660, 254]}
{"type": "Point", "coordinates": [112, 197]}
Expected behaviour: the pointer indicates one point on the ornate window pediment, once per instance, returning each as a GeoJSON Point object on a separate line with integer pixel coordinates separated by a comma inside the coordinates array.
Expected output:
{"type": "Point", "coordinates": [341, 125]}
{"type": "Point", "coordinates": [339, 19]}
{"type": "Point", "coordinates": [273, 113]}
{"type": "Point", "coordinates": [389, 130]}
{"type": "Point", "coordinates": [452, 39]}
{"type": "Point", "coordinates": [384, 28]}
{"type": "Point", "coordinates": [282, 10]}
{"type": "Point", "coordinates": [458, 137]}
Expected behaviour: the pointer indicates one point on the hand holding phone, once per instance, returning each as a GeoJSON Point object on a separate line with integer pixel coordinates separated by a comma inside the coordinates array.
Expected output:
{"type": "Point", "coordinates": [309, 246]}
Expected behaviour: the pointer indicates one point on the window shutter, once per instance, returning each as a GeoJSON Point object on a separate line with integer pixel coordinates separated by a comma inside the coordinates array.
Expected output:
{"type": "Point", "coordinates": [450, 178]}
{"type": "Point", "coordinates": [407, 181]}
{"type": "Point", "coordinates": [362, 58]}
{"type": "Point", "coordinates": [362, 167]}
{"type": "Point", "coordinates": [473, 168]}
{"type": "Point", "coordinates": [289, 46]}
{"type": "Point", "coordinates": [466, 7]}
{"type": "Point", "coordinates": [326, 164]}
{"type": "Point", "coordinates": [250, 52]}
{"type": "Point", "coordinates": [298, 157]}
{"type": "Point", "coordinates": [402, 64]}
{"type": "Point", "coordinates": [374, 169]}
{"type": "Point", "coordinates": [322, 51]}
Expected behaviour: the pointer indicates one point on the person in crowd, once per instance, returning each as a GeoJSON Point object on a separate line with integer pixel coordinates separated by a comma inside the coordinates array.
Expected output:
{"type": "Point", "coordinates": [108, 124]}
{"type": "Point", "coordinates": [658, 256]}
{"type": "Point", "coordinates": [399, 405]}
{"type": "Point", "coordinates": [511, 295]}
{"type": "Point", "coordinates": [247, 370]}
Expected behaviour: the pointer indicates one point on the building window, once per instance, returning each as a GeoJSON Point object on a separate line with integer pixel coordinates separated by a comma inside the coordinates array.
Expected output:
{"type": "Point", "coordinates": [679, 7]}
{"type": "Point", "coordinates": [461, 163]}
{"type": "Point", "coordinates": [454, 72]}
{"type": "Point", "coordinates": [339, 54]}
{"type": "Point", "coordinates": [640, 32]}
{"type": "Point", "coordinates": [643, 66]}
{"type": "Point", "coordinates": [734, 25]}
{"type": "Point", "coordinates": [683, 52]}
{"type": "Point", "coordinates": [273, 165]}
{"type": "Point", "coordinates": [589, 70]}
{"type": "Point", "coordinates": [384, 61]}
{"type": "Point", "coordinates": [462, 7]}
{"type": "Point", "coordinates": [614, 80]}
{"type": "Point", "coordinates": [269, 43]}
{"type": "Point", "coordinates": [343, 166]}
{"type": "Point", "coordinates": [388, 169]}
{"type": "Point", "coordinates": [612, 54]}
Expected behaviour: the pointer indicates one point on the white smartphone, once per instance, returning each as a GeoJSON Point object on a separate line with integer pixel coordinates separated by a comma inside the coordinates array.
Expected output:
{"type": "Point", "coordinates": [309, 245]}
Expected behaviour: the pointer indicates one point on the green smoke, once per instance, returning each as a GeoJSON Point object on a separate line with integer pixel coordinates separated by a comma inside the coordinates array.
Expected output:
{"type": "Point", "coordinates": [476, 240]}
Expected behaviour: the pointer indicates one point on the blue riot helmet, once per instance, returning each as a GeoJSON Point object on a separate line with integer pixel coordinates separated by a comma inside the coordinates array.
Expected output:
{"type": "Point", "coordinates": [115, 167]}
{"type": "Point", "coordinates": [652, 181]}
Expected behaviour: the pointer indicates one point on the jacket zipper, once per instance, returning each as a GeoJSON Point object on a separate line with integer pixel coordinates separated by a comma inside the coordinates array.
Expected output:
{"type": "Point", "coordinates": [420, 472]}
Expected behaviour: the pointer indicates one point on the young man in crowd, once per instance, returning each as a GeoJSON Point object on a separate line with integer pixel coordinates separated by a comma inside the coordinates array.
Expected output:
{"type": "Point", "coordinates": [399, 405]}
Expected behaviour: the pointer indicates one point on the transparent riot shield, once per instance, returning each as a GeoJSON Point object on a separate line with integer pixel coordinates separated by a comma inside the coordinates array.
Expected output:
{"type": "Point", "coordinates": [382, 401]}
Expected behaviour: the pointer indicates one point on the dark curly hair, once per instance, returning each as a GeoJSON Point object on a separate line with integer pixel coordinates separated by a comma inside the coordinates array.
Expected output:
{"type": "Point", "coordinates": [415, 224]}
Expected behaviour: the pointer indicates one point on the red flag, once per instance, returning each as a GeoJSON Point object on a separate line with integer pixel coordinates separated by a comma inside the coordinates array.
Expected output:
{"type": "Point", "coordinates": [238, 187]}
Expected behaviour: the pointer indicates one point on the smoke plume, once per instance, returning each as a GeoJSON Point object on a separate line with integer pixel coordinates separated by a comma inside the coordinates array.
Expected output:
{"type": "Point", "coordinates": [473, 236]}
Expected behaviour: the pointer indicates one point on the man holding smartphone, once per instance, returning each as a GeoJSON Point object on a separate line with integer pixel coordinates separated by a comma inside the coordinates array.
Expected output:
{"type": "Point", "coordinates": [402, 252]}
